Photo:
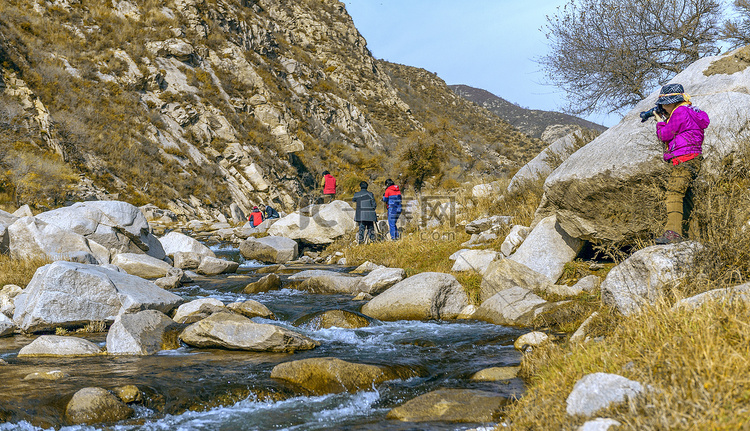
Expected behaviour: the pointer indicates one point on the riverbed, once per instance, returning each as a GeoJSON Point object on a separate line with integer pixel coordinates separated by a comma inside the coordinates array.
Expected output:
{"type": "Point", "coordinates": [212, 389]}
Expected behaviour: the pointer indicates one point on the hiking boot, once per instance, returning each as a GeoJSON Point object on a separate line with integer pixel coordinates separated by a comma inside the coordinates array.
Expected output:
{"type": "Point", "coordinates": [669, 237]}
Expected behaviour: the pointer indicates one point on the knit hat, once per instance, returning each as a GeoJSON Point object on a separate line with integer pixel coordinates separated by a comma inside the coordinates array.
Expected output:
{"type": "Point", "coordinates": [671, 93]}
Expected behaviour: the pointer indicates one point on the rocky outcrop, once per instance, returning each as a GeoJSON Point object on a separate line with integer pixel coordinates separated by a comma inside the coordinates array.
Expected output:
{"type": "Point", "coordinates": [118, 226]}
{"type": "Point", "coordinates": [451, 405]}
{"type": "Point", "coordinates": [429, 295]}
{"type": "Point", "coordinates": [142, 333]}
{"type": "Point", "coordinates": [608, 188]}
{"type": "Point", "coordinates": [505, 274]}
{"type": "Point", "coordinates": [32, 238]}
{"type": "Point", "coordinates": [232, 331]}
{"type": "Point", "coordinates": [331, 375]}
{"type": "Point", "coordinates": [72, 294]}
{"type": "Point", "coordinates": [643, 277]}
{"type": "Point", "coordinates": [473, 260]}
{"type": "Point", "coordinates": [175, 242]}
{"type": "Point", "coordinates": [317, 224]}
{"type": "Point", "coordinates": [514, 306]}
{"type": "Point", "coordinates": [270, 249]}
{"type": "Point", "coordinates": [96, 405]}
{"type": "Point", "coordinates": [54, 345]}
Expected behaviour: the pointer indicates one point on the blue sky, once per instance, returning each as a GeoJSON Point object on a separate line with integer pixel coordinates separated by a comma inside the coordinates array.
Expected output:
{"type": "Point", "coordinates": [488, 44]}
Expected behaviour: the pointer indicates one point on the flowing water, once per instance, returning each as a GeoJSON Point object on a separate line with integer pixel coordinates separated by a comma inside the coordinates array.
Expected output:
{"type": "Point", "coordinates": [205, 389]}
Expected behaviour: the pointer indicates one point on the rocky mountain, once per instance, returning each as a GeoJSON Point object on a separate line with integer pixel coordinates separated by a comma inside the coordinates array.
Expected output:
{"type": "Point", "coordinates": [532, 122]}
{"type": "Point", "coordinates": [194, 105]}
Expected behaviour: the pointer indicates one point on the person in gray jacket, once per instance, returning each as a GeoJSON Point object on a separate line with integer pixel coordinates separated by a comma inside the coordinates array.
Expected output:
{"type": "Point", "coordinates": [365, 213]}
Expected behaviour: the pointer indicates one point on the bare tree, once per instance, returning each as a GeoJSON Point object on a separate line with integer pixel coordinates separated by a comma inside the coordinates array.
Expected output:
{"type": "Point", "coordinates": [608, 54]}
{"type": "Point", "coordinates": [736, 30]}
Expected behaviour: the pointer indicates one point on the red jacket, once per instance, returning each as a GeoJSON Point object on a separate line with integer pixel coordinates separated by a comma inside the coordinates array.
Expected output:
{"type": "Point", "coordinates": [329, 185]}
{"type": "Point", "coordinates": [256, 218]}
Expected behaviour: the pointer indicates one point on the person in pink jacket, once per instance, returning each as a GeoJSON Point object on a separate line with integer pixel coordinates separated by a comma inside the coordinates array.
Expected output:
{"type": "Point", "coordinates": [682, 133]}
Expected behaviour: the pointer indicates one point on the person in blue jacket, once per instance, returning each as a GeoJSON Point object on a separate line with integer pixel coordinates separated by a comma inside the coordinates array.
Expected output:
{"type": "Point", "coordinates": [392, 199]}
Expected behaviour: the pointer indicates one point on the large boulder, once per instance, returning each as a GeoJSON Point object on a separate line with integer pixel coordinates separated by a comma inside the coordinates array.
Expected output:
{"type": "Point", "coordinates": [331, 283]}
{"type": "Point", "coordinates": [332, 375]}
{"type": "Point", "coordinates": [514, 239]}
{"type": "Point", "coordinates": [72, 294]}
{"type": "Point", "coordinates": [31, 238]}
{"type": "Point", "coordinates": [141, 265]}
{"type": "Point", "coordinates": [215, 266]}
{"type": "Point", "coordinates": [473, 260]}
{"type": "Point", "coordinates": [118, 226]}
{"type": "Point", "coordinates": [379, 280]}
{"type": "Point", "coordinates": [451, 405]}
{"type": "Point", "coordinates": [232, 331]}
{"type": "Point", "coordinates": [95, 405]}
{"type": "Point", "coordinates": [175, 242]}
{"type": "Point", "coordinates": [515, 306]}
{"type": "Point", "coordinates": [6, 219]}
{"type": "Point", "coordinates": [271, 249]}
{"type": "Point", "coordinates": [317, 224]}
{"type": "Point", "coordinates": [505, 274]}
{"type": "Point", "coordinates": [142, 333]}
{"type": "Point", "coordinates": [643, 277]}
{"type": "Point", "coordinates": [251, 309]}
{"type": "Point", "coordinates": [547, 249]}
{"type": "Point", "coordinates": [265, 284]}
{"type": "Point", "coordinates": [608, 188]}
{"type": "Point", "coordinates": [545, 162]}
{"type": "Point", "coordinates": [54, 345]}
{"type": "Point", "coordinates": [429, 295]}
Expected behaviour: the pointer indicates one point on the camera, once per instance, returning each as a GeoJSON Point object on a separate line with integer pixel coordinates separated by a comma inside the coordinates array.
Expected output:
{"type": "Point", "coordinates": [658, 109]}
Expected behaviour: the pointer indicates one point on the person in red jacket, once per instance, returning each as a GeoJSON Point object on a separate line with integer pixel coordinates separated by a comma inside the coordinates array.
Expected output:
{"type": "Point", "coordinates": [256, 217]}
{"type": "Point", "coordinates": [392, 199]}
{"type": "Point", "coordinates": [329, 187]}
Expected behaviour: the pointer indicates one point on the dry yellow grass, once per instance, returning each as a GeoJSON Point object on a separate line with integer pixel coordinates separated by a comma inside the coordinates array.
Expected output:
{"type": "Point", "coordinates": [18, 271]}
{"type": "Point", "coordinates": [696, 361]}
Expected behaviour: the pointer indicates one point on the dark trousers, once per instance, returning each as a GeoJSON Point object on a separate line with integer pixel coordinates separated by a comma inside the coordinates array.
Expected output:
{"type": "Point", "coordinates": [368, 226]}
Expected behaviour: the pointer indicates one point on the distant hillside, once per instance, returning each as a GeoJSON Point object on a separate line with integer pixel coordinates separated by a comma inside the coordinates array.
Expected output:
{"type": "Point", "coordinates": [533, 122]}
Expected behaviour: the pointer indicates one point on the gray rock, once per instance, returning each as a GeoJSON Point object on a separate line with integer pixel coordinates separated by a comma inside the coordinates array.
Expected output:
{"type": "Point", "coordinates": [599, 424]}
{"type": "Point", "coordinates": [331, 283]}
{"type": "Point", "coordinates": [582, 332]}
{"type": "Point", "coordinates": [379, 280]}
{"type": "Point", "coordinates": [473, 260]}
{"type": "Point", "coordinates": [366, 267]}
{"type": "Point", "coordinates": [251, 309]}
{"type": "Point", "coordinates": [175, 242]}
{"type": "Point", "coordinates": [493, 223]}
{"type": "Point", "coordinates": [531, 339]}
{"type": "Point", "coordinates": [725, 296]}
{"type": "Point", "coordinates": [53, 345]}
{"type": "Point", "coordinates": [505, 274]}
{"type": "Point", "coordinates": [597, 191]}
{"type": "Point", "coordinates": [31, 238]}
{"type": "Point", "coordinates": [7, 327]}
{"type": "Point", "coordinates": [198, 309]}
{"type": "Point", "coordinates": [96, 405]}
{"type": "Point", "coordinates": [589, 283]}
{"type": "Point", "coordinates": [545, 162]}
{"type": "Point", "coordinates": [271, 249]}
{"type": "Point", "coordinates": [118, 226]}
{"type": "Point", "coordinates": [142, 333]}
{"type": "Point", "coordinates": [642, 278]}
{"type": "Point", "coordinates": [515, 306]}
{"type": "Point", "coordinates": [547, 249]}
{"type": "Point", "coordinates": [8, 297]}
{"type": "Point", "coordinates": [187, 259]}
{"type": "Point", "coordinates": [451, 405]}
{"type": "Point", "coordinates": [23, 211]}
{"type": "Point", "coordinates": [232, 331]}
{"type": "Point", "coordinates": [429, 295]}
{"type": "Point", "coordinates": [141, 265]}
{"type": "Point", "coordinates": [265, 284]}
{"type": "Point", "coordinates": [70, 294]}
{"type": "Point", "coordinates": [317, 224]}
{"type": "Point", "coordinates": [495, 374]}
{"type": "Point", "coordinates": [596, 391]}
{"type": "Point", "coordinates": [215, 266]}
{"type": "Point", "coordinates": [515, 238]}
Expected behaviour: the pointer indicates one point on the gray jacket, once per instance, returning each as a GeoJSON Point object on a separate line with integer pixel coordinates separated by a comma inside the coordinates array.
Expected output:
{"type": "Point", "coordinates": [365, 206]}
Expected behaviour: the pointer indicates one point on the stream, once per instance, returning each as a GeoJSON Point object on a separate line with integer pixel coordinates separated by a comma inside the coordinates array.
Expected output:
{"type": "Point", "coordinates": [212, 389]}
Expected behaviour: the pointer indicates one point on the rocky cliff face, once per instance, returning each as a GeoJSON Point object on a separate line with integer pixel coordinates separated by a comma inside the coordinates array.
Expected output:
{"type": "Point", "coordinates": [197, 104]}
